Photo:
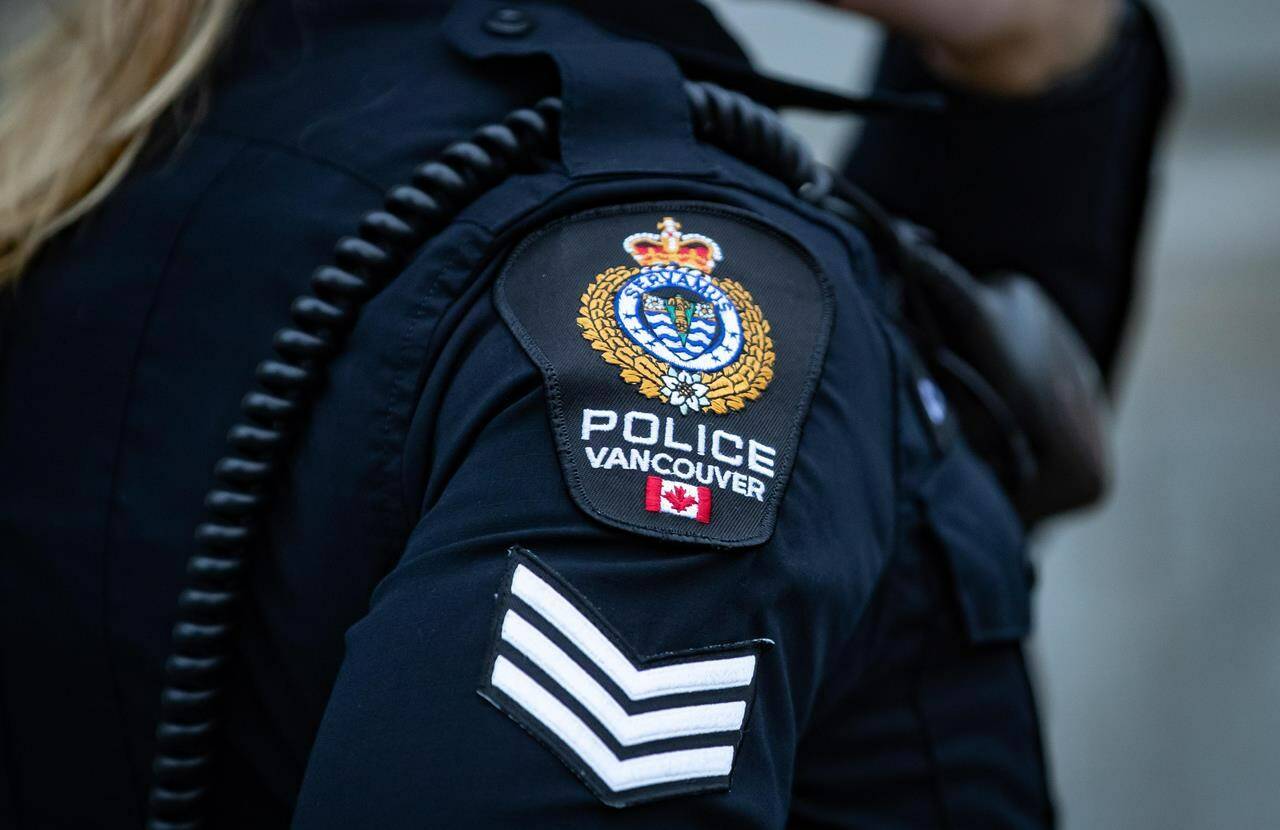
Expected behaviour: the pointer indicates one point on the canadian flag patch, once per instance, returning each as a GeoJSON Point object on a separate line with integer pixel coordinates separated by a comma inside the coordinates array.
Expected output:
{"type": "Point", "coordinates": [677, 498]}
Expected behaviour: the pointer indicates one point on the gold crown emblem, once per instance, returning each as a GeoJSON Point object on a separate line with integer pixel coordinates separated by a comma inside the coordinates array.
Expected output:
{"type": "Point", "coordinates": [671, 247]}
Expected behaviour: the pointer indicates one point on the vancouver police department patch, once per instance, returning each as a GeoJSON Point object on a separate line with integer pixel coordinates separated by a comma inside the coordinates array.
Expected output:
{"type": "Point", "coordinates": [680, 343]}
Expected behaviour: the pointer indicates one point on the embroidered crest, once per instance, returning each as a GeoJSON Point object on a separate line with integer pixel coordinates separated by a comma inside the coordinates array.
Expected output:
{"type": "Point", "coordinates": [696, 342]}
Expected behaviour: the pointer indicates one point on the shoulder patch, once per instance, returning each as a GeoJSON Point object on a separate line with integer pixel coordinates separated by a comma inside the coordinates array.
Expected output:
{"type": "Point", "coordinates": [680, 344]}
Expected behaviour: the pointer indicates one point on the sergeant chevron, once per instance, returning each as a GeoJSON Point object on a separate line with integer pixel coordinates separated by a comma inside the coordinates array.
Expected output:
{"type": "Point", "coordinates": [632, 728]}
{"type": "Point", "coordinates": [644, 442]}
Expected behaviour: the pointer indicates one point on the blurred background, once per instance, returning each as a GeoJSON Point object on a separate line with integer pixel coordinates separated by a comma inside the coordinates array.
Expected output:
{"type": "Point", "coordinates": [1158, 639]}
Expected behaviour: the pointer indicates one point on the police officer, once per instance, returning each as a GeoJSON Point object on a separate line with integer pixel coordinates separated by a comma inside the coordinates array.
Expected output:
{"type": "Point", "coordinates": [589, 483]}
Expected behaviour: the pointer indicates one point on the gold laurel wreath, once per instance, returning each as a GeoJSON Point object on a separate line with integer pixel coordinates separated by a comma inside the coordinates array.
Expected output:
{"type": "Point", "coordinates": [728, 389]}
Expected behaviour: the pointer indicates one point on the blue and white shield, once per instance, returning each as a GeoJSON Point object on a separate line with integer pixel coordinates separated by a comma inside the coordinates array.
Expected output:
{"type": "Point", "coordinates": [681, 317]}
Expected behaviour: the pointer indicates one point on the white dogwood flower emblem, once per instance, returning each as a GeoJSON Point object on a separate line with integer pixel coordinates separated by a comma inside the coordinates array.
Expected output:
{"type": "Point", "coordinates": [685, 391]}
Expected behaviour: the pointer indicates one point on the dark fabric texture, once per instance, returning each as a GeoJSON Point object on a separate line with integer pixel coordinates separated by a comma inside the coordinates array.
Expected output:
{"type": "Point", "coordinates": [1055, 187]}
{"type": "Point", "coordinates": [351, 701]}
{"type": "Point", "coordinates": [948, 734]}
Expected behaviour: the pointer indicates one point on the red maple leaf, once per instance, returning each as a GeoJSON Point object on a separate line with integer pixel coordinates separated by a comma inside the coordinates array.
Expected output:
{"type": "Point", "coordinates": [679, 500]}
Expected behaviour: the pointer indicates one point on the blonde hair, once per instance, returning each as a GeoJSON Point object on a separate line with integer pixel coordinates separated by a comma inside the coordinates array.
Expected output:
{"type": "Point", "coordinates": [79, 99]}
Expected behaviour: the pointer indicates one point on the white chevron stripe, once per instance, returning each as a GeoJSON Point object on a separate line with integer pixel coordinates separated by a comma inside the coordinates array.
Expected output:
{"type": "Point", "coordinates": [628, 729]}
{"type": "Point", "coordinates": [617, 775]}
{"type": "Point", "coordinates": [638, 684]}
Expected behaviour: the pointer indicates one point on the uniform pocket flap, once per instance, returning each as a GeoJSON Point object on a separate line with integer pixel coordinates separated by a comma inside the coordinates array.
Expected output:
{"type": "Point", "coordinates": [983, 539]}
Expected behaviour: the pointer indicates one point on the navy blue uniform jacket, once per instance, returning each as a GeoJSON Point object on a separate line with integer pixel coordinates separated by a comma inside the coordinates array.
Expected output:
{"type": "Point", "coordinates": [440, 630]}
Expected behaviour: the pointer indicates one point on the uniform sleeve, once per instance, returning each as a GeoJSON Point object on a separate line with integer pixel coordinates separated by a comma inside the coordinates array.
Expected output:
{"type": "Point", "coordinates": [1055, 187]}
{"type": "Point", "coordinates": [526, 663]}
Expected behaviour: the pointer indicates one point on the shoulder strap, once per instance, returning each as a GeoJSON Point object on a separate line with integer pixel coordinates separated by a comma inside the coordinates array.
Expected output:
{"type": "Point", "coordinates": [625, 111]}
